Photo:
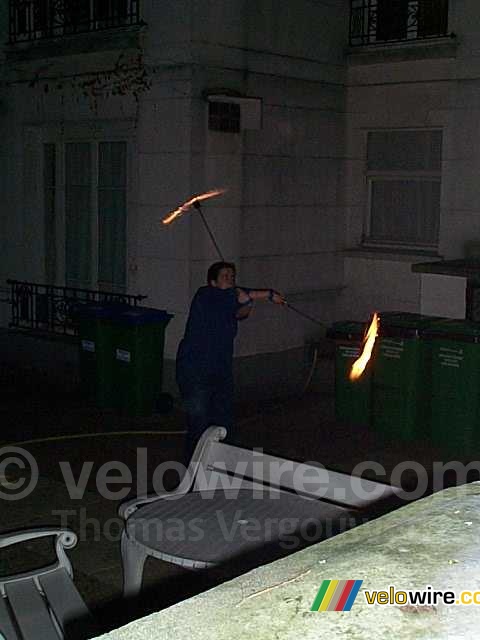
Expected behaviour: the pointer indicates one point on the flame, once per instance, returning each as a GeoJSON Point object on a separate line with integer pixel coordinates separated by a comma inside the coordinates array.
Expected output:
{"type": "Point", "coordinates": [173, 215]}
{"type": "Point", "coordinates": [360, 363]}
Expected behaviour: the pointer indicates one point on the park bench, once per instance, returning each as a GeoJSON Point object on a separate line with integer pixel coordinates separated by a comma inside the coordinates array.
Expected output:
{"type": "Point", "coordinates": [43, 604]}
{"type": "Point", "coordinates": [234, 502]}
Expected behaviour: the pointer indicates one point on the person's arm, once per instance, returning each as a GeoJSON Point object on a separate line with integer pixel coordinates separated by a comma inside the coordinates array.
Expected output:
{"type": "Point", "coordinates": [246, 297]}
{"type": "Point", "coordinates": [267, 294]}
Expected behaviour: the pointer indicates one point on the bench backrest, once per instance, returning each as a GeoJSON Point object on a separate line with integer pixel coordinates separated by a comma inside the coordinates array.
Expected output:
{"type": "Point", "coordinates": [223, 466]}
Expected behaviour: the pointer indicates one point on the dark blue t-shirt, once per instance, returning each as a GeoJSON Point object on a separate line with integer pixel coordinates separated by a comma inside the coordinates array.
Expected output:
{"type": "Point", "coordinates": [206, 350]}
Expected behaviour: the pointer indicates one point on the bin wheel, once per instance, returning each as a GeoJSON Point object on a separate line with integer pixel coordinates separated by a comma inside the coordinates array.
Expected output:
{"type": "Point", "coordinates": [164, 403]}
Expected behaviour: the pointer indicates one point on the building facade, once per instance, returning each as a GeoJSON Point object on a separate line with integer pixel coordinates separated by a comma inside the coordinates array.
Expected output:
{"type": "Point", "coordinates": [342, 131]}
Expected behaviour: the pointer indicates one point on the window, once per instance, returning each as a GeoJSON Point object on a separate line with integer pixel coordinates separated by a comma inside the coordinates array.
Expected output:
{"type": "Point", "coordinates": [386, 21]}
{"type": "Point", "coordinates": [432, 18]}
{"type": "Point", "coordinates": [224, 116]}
{"type": "Point", "coordinates": [75, 15]}
{"type": "Point", "coordinates": [86, 215]}
{"type": "Point", "coordinates": [112, 207]}
{"type": "Point", "coordinates": [111, 12]}
{"type": "Point", "coordinates": [49, 190]}
{"type": "Point", "coordinates": [36, 19]}
{"type": "Point", "coordinates": [78, 214]}
{"type": "Point", "coordinates": [404, 180]}
{"type": "Point", "coordinates": [392, 19]}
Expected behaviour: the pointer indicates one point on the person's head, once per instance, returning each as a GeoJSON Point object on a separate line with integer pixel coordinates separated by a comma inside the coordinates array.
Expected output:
{"type": "Point", "coordinates": [221, 275]}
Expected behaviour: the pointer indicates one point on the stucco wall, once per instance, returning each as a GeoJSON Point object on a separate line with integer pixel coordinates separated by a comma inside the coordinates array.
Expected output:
{"type": "Point", "coordinates": [434, 88]}
{"type": "Point", "coordinates": [280, 218]}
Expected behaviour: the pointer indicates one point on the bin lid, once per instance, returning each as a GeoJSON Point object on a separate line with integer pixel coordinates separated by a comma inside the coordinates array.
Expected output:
{"type": "Point", "coordinates": [93, 310]}
{"type": "Point", "coordinates": [141, 316]}
{"type": "Point", "coordinates": [456, 330]}
{"type": "Point", "coordinates": [347, 330]}
{"type": "Point", "coordinates": [403, 324]}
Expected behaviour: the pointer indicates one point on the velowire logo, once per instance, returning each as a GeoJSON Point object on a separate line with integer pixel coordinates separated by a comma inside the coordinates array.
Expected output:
{"type": "Point", "coordinates": [336, 595]}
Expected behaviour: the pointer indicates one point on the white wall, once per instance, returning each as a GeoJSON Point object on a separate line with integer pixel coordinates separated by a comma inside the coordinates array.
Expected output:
{"type": "Point", "coordinates": [281, 219]}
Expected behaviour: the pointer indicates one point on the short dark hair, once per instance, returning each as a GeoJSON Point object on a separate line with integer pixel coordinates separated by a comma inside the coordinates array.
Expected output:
{"type": "Point", "coordinates": [215, 268]}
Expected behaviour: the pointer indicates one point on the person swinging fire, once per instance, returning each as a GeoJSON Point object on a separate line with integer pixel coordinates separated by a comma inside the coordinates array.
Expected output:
{"type": "Point", "coordinates": [204, 364]}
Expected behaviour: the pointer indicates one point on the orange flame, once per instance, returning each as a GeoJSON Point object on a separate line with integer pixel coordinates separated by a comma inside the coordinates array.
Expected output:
{"type": "Point", "coordinates": [173, 215]}
{"type": "Point", "coordinates": [360, 363]}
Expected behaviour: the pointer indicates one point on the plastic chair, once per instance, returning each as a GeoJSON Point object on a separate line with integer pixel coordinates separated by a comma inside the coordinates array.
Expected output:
{"type": "Point", "coordinates": [43, 604]}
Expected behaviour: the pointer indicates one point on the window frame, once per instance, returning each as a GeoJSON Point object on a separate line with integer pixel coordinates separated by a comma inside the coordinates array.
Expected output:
{"type": "Point", "coordinates": [379, 175]}
{"type": "Point", "coordinates": [60, 139]}
{"type": "Point", "coordinates": [224, 117]}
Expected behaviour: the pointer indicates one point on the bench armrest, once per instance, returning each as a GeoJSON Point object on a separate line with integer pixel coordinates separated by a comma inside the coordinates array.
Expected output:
{"type": "Point", "coordinates": [126, 509]}
{"type": "Point", "coordinates": [65, 539]}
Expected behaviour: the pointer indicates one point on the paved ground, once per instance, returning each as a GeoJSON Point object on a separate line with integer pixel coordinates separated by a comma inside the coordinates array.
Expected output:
{"type": "Point", "coordinates": [65, 430]}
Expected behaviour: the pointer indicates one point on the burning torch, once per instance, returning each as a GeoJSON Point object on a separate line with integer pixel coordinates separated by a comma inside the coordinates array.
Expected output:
{"type": "Point", "coordinates": [358, 367]}
{"type": "Point", "coordinates": [195, 203]}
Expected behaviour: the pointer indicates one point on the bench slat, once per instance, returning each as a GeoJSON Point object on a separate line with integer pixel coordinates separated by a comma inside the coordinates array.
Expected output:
{"type": "Point", "coordinates": [68, 605]}
{"type": "Point", "coordinates": [7, 629]}
{"type": "Point", "coordinates": [30, 610]}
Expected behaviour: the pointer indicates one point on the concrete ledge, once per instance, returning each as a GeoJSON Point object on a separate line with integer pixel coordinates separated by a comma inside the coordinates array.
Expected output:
{"type": "Point", "coordinates": [406, 51]}
{"type": "Point", "coordinates": [430, 542]}
{"type": "Point", "coordinates": [119, 38]}
{"type": "Point", "coordinates": [393, 255]}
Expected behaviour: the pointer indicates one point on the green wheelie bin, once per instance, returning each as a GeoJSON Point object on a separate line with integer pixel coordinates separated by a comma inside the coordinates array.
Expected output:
{"type": "Point", "coordinates": [455, 415]}
{"type": "Point", "coordinates": [353, 399]}
{"type": "Point", "coordinates": [138, 338]}
{"type": "Point", "coordinates": [401, 380]}
{"type": "Point", "coordinates": [96, 351]}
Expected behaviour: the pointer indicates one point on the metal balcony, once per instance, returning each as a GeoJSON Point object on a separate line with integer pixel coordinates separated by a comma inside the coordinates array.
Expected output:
{"type": "Point", "coordinates": [50, 309]}
{"type": "Point", "coordinates": [32, 20]}
{"type": "Point", "coordinates": [380, 22]}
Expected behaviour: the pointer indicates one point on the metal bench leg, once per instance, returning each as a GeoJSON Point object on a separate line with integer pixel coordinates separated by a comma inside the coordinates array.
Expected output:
{"type": "Point", "coordinates": [133, 561]}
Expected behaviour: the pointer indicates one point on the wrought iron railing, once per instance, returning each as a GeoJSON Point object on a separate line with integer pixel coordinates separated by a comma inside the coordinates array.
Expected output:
{"type": "Point", "coordinates": [51, 309]}
{"type": "Point", "coordinates": [387, 21]}
{"type": "Point", "coordinates": [39, 19]}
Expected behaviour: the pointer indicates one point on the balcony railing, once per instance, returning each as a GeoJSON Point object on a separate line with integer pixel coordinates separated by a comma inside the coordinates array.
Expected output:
{"type": "Point", "coordinates": [389, 21]}
{"type": "Point", "coordinates": [50, 309]}
{"type": "Point", "coordinates": [39, 19]}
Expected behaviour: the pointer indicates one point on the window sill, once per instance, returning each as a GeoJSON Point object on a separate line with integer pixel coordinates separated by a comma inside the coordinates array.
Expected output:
{"type": "Point", "coordinates": [394, 254]}
{"type": "Point", "coordinates": [461, 268]}
{"type": "Point", "coordinates": [444, 47]}
{"type": "Point", "coordinates": [103, 40]}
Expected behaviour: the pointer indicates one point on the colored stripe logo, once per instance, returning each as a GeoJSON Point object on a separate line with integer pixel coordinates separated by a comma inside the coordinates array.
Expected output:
{"type": "Point", "coordinates": [336, 595]}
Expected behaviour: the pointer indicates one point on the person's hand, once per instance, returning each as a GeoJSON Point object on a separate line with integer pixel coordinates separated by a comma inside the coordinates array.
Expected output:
{"type": "Point", "coordinates": [242, 296]}
{"type": "Point", "coordinates": [276, 297]}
